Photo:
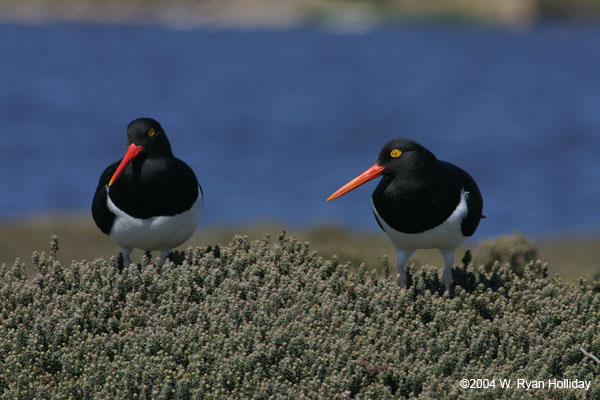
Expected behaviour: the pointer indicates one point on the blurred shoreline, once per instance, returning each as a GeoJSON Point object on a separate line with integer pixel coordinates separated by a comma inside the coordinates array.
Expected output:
{"type": "Point", "coordinates": [350, 14]}
{"type": "Point", "coordinates": [570, 257]}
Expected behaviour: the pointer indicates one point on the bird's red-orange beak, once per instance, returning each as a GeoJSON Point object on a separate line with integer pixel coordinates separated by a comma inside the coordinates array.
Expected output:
{"type": "Point", "coordinates": [365, 177]}
{"type": "Point", "coordinates": [132, 151]}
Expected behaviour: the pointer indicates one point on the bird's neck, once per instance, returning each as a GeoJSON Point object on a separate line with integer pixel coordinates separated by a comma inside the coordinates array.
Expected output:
{"type": "Point", "coordinates": [163, 152]}
{"type": "Point", "coordinates": [411, 182]}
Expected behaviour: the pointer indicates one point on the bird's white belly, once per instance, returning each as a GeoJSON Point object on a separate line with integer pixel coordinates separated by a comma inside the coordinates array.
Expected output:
{"type": "Point", "coordinates": [447, 235]}
{"type": "Point", "coordinates": [156, 233]}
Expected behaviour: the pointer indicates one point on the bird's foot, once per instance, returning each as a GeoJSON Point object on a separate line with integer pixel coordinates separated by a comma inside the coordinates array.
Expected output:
{"type": "Point", "coordinates": [401, 260]}
{"type": "Point", "coordinates": [447, 274]}
{"type": "Point", "coordinates": [401, 280]}
{"type": "Point", "coordinates": [124, 257]}
{"type": "Point", "coordinates": [447, 278]}
{"type": "Point", "coordinates": [164, 254]}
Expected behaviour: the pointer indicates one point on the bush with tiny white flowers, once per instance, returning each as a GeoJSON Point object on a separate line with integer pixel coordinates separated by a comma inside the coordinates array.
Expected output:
{"type": "Point", "coordinates": [271, 319]}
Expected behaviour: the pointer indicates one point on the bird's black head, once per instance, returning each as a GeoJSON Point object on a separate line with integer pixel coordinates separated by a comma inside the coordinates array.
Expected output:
{"type": "Point", "coordinates": [145, 138]}
{"type": "Point", "coordinates": [404, 156]}
{"type": "Point", "coordinates": [399, 158]}
{"type": "Point", "coordinates": [147, 133]}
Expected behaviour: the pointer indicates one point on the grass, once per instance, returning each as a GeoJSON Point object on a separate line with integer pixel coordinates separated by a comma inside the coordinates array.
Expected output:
{"type": "Point", "coordinates": [274, 319]}
{"type": "Point", "coordinates": [570, 257]}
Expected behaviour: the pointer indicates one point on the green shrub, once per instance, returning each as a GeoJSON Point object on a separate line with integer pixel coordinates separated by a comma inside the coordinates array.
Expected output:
{"type": "Point", "coordinates": [273, 320]}
{"type": "Point", "coordinates": [515, 250]}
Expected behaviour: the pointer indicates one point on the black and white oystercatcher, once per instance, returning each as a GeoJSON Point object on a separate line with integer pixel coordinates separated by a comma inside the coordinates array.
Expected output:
{"type": "Point", "coordinates": [421, 202]}
{"type": "Point", "coordinates": [149, 200]}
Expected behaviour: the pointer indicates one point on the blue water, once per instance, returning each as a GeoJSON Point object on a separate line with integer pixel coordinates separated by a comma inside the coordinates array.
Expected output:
{"type": "Point", "coordinates": [274, 121]}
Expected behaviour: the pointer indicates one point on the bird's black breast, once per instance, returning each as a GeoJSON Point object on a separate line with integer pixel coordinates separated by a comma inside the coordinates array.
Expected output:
{"type": "Point", "coordinates": [147, 188]}
{"type": "Point", "coordinates": [155, 187]}
{"type": "Point", "coordinates": [415, 204]}
{"type": "Point", "coordinates": [474, 199]}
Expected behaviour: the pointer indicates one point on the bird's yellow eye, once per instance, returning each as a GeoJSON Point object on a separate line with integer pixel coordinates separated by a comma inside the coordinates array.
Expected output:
{"type": "Point", "coordinates": [395, 153]}
{"type": "Point", "coordinates": [151, 132]}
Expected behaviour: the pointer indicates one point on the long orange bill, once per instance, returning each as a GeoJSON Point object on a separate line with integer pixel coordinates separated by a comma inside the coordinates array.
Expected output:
{"type": "Point", "coordinates": [132, 151]}
{"type": "Point", "coordinates": [365, 177]}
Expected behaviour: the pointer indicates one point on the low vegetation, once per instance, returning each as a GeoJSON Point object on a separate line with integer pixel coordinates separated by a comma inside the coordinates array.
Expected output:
{"type": "Point", "coordinates": [571, 257]}
{"type": "Point", "coordinates": [271, 319]}
{"type": "Point", "coordinates": [515, 250]}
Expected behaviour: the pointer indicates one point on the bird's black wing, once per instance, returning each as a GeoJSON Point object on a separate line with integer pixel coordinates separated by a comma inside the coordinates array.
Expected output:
{"type": "Point", "coordinates": [475, 207]}
{"type": "Point", "coordinates": [103, 217]}
{"type": "Point", "coordinates": [474, 200]}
